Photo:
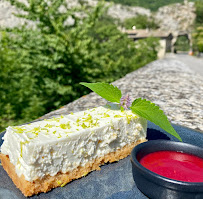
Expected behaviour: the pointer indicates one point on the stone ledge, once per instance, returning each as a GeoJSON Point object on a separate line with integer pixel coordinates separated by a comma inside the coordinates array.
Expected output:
{"type": "Point", "coordinates": [168, 83]}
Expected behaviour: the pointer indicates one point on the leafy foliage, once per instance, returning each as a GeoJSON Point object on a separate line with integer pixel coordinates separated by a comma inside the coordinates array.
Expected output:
{"type": "Point", "coordinates": [41, 65]}
{"type": "Point", "coordinates": [151, 112]}
{"type": "Point", "coordinates": [199, 11]}
{"type": "Point", "coordinates": [198, 39]}
{"type": "Point", "coordinates": [198, 32]}
{"type": "Point", "coordinates": [141, 22]}
{"type": "Point", "coordinates": [107, 91]}
{"type": "Point", "coordinates": [182, 43]}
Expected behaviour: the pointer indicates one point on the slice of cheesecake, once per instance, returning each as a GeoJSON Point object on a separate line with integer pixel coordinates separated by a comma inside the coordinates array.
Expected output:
{"type": "Point", "coordinates": [50, 153]}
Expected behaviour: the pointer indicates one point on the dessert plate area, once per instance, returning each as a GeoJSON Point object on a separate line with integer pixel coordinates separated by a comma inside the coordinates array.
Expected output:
{"type": "Point", "coordinates": [113, 181]}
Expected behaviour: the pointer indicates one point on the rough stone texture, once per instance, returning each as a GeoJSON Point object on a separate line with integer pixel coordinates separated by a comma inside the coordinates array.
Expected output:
{"type": "Point", "coordinates": [123, 12]}
{"type": "Point", "coordinates": [176, 17]}
{"type": "Point", "coordinates": [168, 83]}
{"type": "Point", "coordinates": [7, 19]}
{"type": "Point", "coordinates": [173, 18]}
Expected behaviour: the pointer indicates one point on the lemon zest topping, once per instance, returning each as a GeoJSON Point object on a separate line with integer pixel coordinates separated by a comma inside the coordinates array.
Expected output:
{"type": "Point", "coordinates": [88, 118]}
{"type": "Point", "coordinates": [77, 122]}
{"type": "Point", "coordinates": [58, 182]}
{"type": "Point", "coordinates": [117, 116]}
{"type": "Point", "coordinates": [106, 115]}
{"type": "Point", "coordinates": [67, 132]}
{"type": "Point", "coordinates": [65, 126]}
{"type": "Point", "coordinates": [84, 126]}
{"type": "Point", "coordinates": [64, 184]}
{"type": "Point", "coordinates": [36, 129]}
{"type": "Point", "coordinates": [68, 125]}
{"type": "Point", "coordinates": [21, 147]}
{"type": "Point", "coordinates": [130, 117]}
{"type": "Point", "coordinates": [85, 174]}
{"type": "Point", "coordinates": [19, 129]}
{"type": "Point", "coordinates": [53, 119]}
{"type": "Point", "coordinates": [87, 122]}
{"type": "Point", "coordinates": [45, 129]}
{"type": "Point", "coordinates": [49, 126]}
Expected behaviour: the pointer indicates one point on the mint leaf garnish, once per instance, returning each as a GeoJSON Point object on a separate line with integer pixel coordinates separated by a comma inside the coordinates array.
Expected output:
{"type": "Point", "coordinates": [141, 107]}
{"type": "Point", "coordinates": [107, 91]}
{"type": "Point", "coordinates": [153, 113]}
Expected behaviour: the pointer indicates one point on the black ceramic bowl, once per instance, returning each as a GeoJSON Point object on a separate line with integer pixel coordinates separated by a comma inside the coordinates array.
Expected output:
{"type": "Point", "coordinates": [155, 186]}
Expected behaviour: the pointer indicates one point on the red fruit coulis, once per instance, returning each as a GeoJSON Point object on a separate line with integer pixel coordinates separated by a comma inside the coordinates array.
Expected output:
{"type": "Point", "coordinates": [175, 165]}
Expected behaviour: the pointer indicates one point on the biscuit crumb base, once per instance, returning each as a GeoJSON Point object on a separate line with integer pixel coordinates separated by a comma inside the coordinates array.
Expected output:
{"type": "Point", "coordinates": [61, 179]}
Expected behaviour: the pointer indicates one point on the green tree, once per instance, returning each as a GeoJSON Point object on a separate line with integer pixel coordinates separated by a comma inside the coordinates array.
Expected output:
{"type": "Point", "coordinates": [197, 35]}
{"type": "Point", "coordinates": [147, 50]}
{"type": "Point", "coordinates": [198, 39]}
{"type": "Point", "coordinates": [182, 44]}
{"type": "Point", "coordinates": [199, 11]}
{"type": "Point", "coordinates": [42, 65]}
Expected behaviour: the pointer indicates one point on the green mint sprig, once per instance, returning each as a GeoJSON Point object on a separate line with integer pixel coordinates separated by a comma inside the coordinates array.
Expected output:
{"type": "Point", "coordinates": [141, 107]}
{"type": "Point", "coordinates": [107, 91]}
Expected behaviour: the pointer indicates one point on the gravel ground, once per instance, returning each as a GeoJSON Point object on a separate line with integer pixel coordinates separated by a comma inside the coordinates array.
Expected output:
{"type": "Point", "coordinates": [168, 83]}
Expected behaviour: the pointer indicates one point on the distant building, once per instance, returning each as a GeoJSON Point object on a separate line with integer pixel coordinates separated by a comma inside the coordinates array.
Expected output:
{"type": "Point", "coordinates": [165, 38]}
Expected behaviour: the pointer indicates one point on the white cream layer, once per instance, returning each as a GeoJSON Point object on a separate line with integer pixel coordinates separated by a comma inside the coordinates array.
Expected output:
{"type": "Point", "coordinates": [62, 144]}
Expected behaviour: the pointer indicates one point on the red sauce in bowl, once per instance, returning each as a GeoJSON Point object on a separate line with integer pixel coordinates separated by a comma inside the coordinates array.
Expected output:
{"type": "Point", "coordinates": [175, 165]}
